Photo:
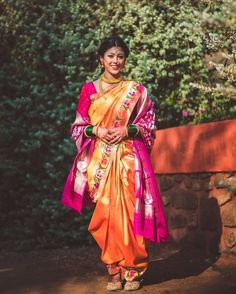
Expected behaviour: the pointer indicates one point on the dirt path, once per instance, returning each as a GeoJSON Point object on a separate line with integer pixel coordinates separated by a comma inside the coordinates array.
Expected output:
{"type": "Point", "coordinates": [79, 271]}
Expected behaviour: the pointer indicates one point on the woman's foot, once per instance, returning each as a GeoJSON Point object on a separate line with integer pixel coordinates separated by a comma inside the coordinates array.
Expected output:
{"type": "Point", "coordinates": [114, 286]}
{"type": "Point", "coordinates": [115, 283]}
{"type": "Point", "coordinates": [132, 286]}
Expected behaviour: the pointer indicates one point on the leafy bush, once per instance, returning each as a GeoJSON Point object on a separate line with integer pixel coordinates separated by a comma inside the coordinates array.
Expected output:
{"type": "Point", "coordinates": [48, 51]}
{"type": "Point", "coordinates": [218, 28]}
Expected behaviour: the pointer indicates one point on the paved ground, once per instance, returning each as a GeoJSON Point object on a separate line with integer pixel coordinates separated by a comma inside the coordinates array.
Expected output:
{"type": "Point", "coordinates": [79, 271]}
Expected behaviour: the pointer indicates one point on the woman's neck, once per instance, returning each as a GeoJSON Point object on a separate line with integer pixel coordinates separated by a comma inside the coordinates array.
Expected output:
{"type": "Point", "coordinates": [109, 76]}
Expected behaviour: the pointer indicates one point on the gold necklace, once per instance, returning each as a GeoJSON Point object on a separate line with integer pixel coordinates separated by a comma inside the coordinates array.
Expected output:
{"type": "Point", "coordinates": [101, 92]}
{"type": "Point", "coordinates": [112, 81]}
{"type": "Point", "coordinates": [100, 88]}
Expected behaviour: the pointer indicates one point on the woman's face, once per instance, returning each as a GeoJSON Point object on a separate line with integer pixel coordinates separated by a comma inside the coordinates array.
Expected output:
{"type": "Point", "coordinates": [113, 61]}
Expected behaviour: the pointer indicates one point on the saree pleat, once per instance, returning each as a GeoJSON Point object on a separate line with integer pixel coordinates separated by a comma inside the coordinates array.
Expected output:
{"type": "Point", "coordinates": [112, 221]}
{"type": "Point", "coordinates": [111, 174]}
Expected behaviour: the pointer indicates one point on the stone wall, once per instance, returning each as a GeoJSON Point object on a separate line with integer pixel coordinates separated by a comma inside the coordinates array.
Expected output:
{"type": "Point", "coordinates": [201, 209]}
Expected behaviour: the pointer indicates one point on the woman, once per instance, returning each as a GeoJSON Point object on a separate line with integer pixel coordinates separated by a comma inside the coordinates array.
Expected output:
{"type": "Point", "coordinates": [114, 132]}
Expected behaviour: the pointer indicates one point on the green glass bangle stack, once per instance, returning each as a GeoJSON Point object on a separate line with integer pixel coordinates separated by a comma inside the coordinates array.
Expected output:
{"type": "Point", "coordinates": [133, 131]}
{"type": "Point", "coordinates": [89, 131]}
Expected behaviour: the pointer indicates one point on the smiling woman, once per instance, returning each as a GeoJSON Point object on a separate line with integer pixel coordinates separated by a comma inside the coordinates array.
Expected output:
{"type": "Point", "coordinates": [113, 61]}
{"type": "Point", "coordinates": [114, 131]}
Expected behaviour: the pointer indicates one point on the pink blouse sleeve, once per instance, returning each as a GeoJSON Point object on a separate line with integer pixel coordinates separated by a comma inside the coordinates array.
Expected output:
{"type": "Point", "coordinates": [84, 100]}
{"type": "Point", "coordinates": [82, 118]}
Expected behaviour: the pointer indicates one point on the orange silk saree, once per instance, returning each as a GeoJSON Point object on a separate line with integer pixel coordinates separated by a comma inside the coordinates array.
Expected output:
{"type": "Point", "coordinates": [111, 182]}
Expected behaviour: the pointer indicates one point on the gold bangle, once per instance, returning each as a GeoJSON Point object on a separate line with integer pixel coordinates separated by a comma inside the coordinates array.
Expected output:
{"type": "Point", "coordinates": [94, 131]}
{"type": "Point", "coordinates": [137, 128]}
{"type": "Point", "coordinates": [126, 129]}
{"type": "Point", "coordinates": [85, 133]}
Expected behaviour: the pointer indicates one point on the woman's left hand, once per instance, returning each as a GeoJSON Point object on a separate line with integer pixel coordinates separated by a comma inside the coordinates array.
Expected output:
{"type": "Point", "coordinates": [118, 134]}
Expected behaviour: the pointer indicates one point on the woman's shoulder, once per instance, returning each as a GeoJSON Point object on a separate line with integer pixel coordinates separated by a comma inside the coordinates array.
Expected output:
{"type": "Point", "coordinates": [88, 87]}
{"type": "Point", "coordinates": [87, 84]}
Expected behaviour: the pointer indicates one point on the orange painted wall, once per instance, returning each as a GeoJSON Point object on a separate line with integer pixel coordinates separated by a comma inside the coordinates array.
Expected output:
{"type": "Point", "coordinates": [208, 147]}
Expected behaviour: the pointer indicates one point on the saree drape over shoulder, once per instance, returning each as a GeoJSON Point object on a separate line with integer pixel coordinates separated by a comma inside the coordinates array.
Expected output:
{"type": "Point", "coordinates": [118, 178]}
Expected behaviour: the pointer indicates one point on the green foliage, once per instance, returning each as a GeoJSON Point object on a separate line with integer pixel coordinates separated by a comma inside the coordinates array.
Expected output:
{"type": "Point", "coordinates": [218, 27]}
{"type": "Point", "coordinates": [48, 51]}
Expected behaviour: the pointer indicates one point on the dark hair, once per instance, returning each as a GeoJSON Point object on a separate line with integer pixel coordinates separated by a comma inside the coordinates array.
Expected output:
{"type": "Point", "coordinates": [113, 41]}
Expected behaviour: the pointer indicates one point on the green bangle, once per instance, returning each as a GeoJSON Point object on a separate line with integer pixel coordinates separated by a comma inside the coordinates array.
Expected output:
{"type": "Point", "coordinates": [88, 131]}
{"type": "Point", "coordinates": [133, 130]}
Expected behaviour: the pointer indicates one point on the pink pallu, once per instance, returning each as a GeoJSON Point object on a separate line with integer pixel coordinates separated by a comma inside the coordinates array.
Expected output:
{"type": "Point", "coordinates": [149, 217]}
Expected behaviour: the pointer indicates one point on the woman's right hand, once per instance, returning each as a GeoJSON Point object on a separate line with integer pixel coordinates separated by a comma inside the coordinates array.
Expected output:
{"type": "Point", "coordinates": [103, 134]}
